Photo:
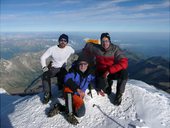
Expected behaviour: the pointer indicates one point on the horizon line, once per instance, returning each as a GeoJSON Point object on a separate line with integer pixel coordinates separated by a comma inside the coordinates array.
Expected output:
{"type": "Point", "coordinates": [85, 31]}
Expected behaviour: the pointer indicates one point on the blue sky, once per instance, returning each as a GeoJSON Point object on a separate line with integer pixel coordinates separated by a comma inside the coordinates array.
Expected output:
{"type": "Point", "coordinates": [85, 15]}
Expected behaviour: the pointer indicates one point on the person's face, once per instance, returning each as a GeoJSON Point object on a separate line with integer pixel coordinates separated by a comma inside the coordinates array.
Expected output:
{"type": "Point", "coordinates": [83, 65]}
{"type": "Point", "coordinates": [105, 43]}
{"type": "Point", "coordinates": [62, 43]}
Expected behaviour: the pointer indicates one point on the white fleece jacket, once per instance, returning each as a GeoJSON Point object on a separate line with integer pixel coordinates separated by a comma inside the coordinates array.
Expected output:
{"type": "Point", "coordinates": [59, 55]}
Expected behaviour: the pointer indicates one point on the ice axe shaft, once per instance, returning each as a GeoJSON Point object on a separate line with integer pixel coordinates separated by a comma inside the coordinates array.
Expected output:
{"type": "Point", "coordinates": [32, 83]}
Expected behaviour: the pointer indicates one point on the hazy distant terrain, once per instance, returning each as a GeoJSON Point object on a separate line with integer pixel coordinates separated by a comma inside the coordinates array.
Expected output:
{"type": "Point", "coordinates": [13, 44]}
{"type": "Point", "coordinates": [153, 70]}
{"type": "Point", "coordinates": [143, 44]}
{"type": "Point", "coordinates": [20, 57]}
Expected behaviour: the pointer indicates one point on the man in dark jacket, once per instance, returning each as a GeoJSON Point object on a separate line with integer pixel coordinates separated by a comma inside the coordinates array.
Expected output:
{"type": "Point", "coordinates": [111, 64]}
{"type": "Point", "coordinates": [76, 82]}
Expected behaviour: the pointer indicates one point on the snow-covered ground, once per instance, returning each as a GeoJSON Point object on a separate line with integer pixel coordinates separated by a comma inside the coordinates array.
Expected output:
{"type": "Point", "coordinates": [143, 106]}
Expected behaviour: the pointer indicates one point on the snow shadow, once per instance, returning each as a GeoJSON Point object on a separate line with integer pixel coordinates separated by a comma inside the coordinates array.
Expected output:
{"type": "Point", "coordinates": [51, 105]}
{"type": "Point", "coordinates": [111, 97]}
{"type": "Point", "coordinates": [8, 103]}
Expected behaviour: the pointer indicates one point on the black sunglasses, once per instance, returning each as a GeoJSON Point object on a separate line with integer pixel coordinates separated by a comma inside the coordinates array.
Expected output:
{"type": "Point", "coordinates": [62, 40]}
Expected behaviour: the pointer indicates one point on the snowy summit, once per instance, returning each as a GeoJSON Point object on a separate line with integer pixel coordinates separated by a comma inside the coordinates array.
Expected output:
{"type": "Point", "coordinates": [143, 106]}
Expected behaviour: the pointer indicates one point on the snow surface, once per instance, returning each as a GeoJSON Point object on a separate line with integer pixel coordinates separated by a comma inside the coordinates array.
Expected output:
{"type": "Point", "coordinates": [143, 106]}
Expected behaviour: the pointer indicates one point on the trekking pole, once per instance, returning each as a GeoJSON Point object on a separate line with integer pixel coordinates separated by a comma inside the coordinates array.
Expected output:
{"type": "Point", "coordinates": [29, 86]}
{"type": "Point", "coordinates": [91, 94]}
{"type": "Point", "coordinates": [90, 91]}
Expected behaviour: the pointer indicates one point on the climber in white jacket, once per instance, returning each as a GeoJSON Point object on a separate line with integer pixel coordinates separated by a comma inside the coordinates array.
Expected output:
{"type": "Point", "coordinates": [59, 55]}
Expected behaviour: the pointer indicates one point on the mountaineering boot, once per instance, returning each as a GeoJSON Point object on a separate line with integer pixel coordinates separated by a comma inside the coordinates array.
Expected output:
{"type": "Point", "coordinates": [118, 99]}
{"type": "Point", "coordinates": [71, 119]}
{"type": "Point", "coordinates": [56, 109]}
{"type": "Point", "coordinates": [47, 97]}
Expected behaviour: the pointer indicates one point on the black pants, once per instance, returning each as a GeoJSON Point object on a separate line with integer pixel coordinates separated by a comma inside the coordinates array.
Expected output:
{"type": "Point", "coordinates": [104, 84]}
{"type": "Point", "coordinates": [53, 72]}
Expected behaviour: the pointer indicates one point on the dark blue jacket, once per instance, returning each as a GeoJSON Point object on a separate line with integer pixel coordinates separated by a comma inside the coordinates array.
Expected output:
{"type": "Point", "coordinates": [78, 80]}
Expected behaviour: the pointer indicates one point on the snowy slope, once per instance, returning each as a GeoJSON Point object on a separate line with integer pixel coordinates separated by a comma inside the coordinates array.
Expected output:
{"type": "Point", "coordinates": [143, 106]}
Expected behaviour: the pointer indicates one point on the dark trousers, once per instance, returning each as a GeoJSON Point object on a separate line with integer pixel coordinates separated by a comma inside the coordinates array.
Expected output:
{"type": "Point", "coordinates": [104, 84]}
{"type": "Point", "coordinates": [53, 72]}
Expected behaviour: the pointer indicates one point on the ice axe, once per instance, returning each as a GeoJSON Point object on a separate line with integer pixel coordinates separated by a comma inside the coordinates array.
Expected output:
{"type": "Point", "coordinates": [32, 83]}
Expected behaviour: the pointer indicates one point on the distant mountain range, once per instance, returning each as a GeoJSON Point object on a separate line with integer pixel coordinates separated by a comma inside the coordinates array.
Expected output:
{"type": "Point", "coordinates": [12, 46]}
{"type": "Point", "coordinates": [20, 71]}
{"type": "Point", "coordinates": [153, 70]}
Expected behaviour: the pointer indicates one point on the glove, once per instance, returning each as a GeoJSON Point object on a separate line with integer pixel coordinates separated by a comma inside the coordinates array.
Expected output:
{"type": "Point", "coordinates": [45, 69]}
{"type": "Point", "coordinates": [105, 75]}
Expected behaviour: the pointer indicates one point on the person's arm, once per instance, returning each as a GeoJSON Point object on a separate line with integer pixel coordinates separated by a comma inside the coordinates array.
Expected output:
{"type": "Point", "coordinates": [70, 83]}
{"type": "Point", "coordinates": [121, 62]}
{"type": "Point", "coordinates": [44, 57]}
{"type": "Point", "coordinates": [72, 51]}
{"type": "Point", "coordinates": [81, 93]}
{"type": "Point", "coordinates": [74, 87]}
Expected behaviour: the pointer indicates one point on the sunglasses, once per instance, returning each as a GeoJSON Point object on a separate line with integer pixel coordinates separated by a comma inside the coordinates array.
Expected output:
{"type": "Point", "coordinates": [103, 41]}
{"type": "Point", "coordinates": [83, 64]}
{"type": "Point", "coordinates": [62, 40]}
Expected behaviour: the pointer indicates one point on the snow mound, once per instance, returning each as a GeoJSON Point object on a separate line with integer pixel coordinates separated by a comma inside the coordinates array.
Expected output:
{"type": "Point", "coordinates": [2, 91]}
{"type": "Point", "coordinates": [143, 106]}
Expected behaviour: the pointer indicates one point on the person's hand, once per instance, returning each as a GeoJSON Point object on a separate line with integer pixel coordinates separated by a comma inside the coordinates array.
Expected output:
{"type": "Point", "coordinates": [105, 75]}
{"type": "Point", "coordinates": [81, 93]}
{"type": "Point", "coordinates": [45, 69]}
{"type": "Point", "coordinates": [47, 72]}
{"type": "Point", "coordinates": [101, 92]}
